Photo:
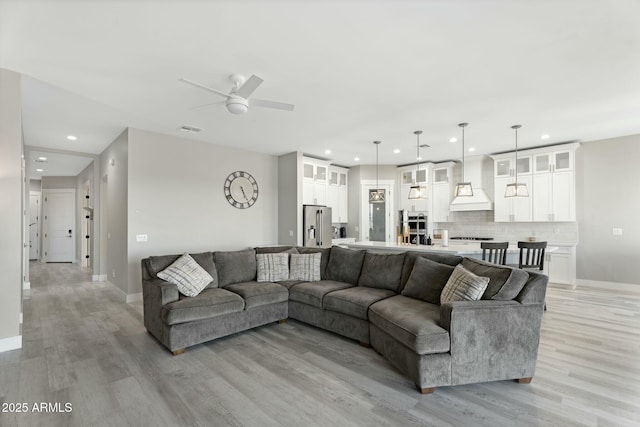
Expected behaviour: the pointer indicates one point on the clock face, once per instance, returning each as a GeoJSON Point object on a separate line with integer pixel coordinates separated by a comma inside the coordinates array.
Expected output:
{"type": "Point", "coordinates": [241, 190]}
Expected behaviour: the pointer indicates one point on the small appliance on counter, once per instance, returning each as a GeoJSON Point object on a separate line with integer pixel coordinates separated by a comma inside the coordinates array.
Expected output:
{"type": "Point", "coordinates": [343, 232]}
{"type": "Point", "coordinates": [316, 226]}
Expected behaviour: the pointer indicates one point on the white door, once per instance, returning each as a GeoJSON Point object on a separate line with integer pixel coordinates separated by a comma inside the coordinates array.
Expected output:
{"type": "Point", "coordinates": [59, 225]}
{"type": "Point", "coordinates": [34, 226]}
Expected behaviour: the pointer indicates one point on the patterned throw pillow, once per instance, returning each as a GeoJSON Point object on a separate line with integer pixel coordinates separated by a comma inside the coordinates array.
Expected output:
{"type": "Point", "coordinates": [305, 267]}
{"type": "Point", "coordinates": [187, 275]}
{"type": "Point", "coordinates": [272, 267]}
{"type": "Point", "coordinates": [463, 285]}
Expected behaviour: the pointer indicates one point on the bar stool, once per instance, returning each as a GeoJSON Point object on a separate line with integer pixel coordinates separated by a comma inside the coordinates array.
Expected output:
{"type": "Point", "coordinates": [532, 255]}
{"type": "Point", "coordinates": [495, 252]}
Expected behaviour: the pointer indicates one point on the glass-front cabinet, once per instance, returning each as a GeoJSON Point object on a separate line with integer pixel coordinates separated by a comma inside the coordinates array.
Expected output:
{"type": "Point", "coordinates": [505, 167]}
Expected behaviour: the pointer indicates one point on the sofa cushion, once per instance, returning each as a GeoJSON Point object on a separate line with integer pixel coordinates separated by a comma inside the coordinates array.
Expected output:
{"type": "Point", "coordinates": [427, 280]}
{"type": "Point", "coordinates": [413, 322]}
{"type": "Point", "coordinates": [463, 285]}
{"type": "Point", "coordinates": [355, 301]}
{"type": "Point", "coordinates": [256, 294]}
{"type": "Point", "coordinates": [345, 265]}
{"type": "Point", "coordinates": [289, 283]}
{"type": "Point", "coordinates": [204, 259]}
{"type": "Point", "coordinates": [272, 267]}
{"type": "Point", "coordinates": [411, 258]}
{"type": "Point", "coordinates": [305, 267]}
{"type": "Point", "coordinates": [324, 257]}
{"type": "Point", "coordinates": [235, 266]}
{"type": "Point", "coordinates": [187, 275]}
{"type": "Point", "coordinates": [505, 283]}
{"type": "Point", "coordinates": [382, 271]}
{"type": "Point", "coordinates": [312, 293]}
{"type": "Point", "coordinates": [209, 303]}
{"type": "Point", "coordinates": [276, 249]}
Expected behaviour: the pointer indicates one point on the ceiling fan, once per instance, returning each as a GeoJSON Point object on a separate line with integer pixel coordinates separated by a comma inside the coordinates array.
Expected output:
{"type": "Point", "coordinates": [237, 100]}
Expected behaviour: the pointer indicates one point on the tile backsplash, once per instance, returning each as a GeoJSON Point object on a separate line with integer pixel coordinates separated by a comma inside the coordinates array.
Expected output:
{"type": "Point", "coordinates": [480, 224]}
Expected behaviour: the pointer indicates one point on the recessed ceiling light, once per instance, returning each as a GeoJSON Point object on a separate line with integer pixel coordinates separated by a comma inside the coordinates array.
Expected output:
{"type": "Point", "coordinates": [327, 151]}
{"type": "Point", "coordinates": [472, 149]}
{"type": "Point", "coordinates": [71, 137]}
{"type": "Point", "coordinates": [396, 151]}
{"type": "Point", "coordinates": [39, 170]}
{"type": "Point", "coordinates": [545, 136]}
{"type": "Point", "coordinates": [453, 139]}
{"type": "Point", "coordinates": [42, 159]}
{"type": "Point", "coordinates": [356, 159]}
{"type": "Point", "coordinates": [419, 158]}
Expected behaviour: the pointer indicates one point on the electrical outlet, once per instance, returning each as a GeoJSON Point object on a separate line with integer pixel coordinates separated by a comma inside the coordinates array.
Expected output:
{"type": "Point", "coordinates": [617, 231]}
{"type": "Point", "coordinates": [290, 233]}
{"type": "Point", "coordinates": [142, 238]}
{"type": "Point", "coordinates": [113, 273]}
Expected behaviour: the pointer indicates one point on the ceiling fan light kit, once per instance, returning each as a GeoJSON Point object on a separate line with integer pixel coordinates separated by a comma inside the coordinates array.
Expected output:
{"type": "Point", "coordinates": [238, 98]}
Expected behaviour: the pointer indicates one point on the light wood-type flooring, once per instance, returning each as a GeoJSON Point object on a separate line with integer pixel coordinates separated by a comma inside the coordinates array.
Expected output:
{"type": "Point", "coordinates": [82, 345]}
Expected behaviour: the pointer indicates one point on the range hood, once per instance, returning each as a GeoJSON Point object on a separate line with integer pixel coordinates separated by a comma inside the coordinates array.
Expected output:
{"type": "Point", "coordinates": [479, 172]}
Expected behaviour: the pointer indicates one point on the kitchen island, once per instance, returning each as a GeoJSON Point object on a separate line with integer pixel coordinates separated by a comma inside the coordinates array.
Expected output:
{"type": "Point", "coordinates": [468, 249]}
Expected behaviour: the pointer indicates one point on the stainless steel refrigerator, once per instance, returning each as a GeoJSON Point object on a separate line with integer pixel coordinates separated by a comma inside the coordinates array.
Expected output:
{"type": "Point", "coordinates": [316, 226]}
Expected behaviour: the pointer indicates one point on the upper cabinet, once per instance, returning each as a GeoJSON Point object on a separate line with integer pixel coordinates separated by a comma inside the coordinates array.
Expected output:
{"type": "Point", "coordinates": [442, 191]}
{"type": "Point", "coordinates": [315, 174]}
{"type": "Point", "coordinates": [412, 175]}
{"type": "Point", "coordinates": [549, 175]}
{"type": "Point", "coordinates": [337, 194]}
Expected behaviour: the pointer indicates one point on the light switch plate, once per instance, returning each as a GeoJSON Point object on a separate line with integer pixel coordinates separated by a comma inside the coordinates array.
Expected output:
{"type": "Point", "coordinates": [617, 231]}
{"type": "Point", "coordinates": [142, 238]}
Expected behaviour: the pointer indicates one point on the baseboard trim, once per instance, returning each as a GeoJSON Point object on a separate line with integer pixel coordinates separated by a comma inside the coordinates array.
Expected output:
{"type": "Point", "coordinates": [99, 278]}
{"type": "Point", "coordinates": [134, 298]}
{"type": "Point", "coordinates": [613, 285]}
{"type": "Point", "coordinates": [11, 343]}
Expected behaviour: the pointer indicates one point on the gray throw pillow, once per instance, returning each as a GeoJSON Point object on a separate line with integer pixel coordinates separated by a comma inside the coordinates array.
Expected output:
{"type": "Point", "coordinates": [463, 285]}
{"type": "Point", "coordinates": [505, 282]}
{"type": "Point", "coordinates": [382, 271]}
{"type": "Point", "coordinates": [204, 259]}
{"type": "Point", "coordinates": [344, 265]}
{"type": "Point", "coordinates": [305, 267]}
{"type": "Point", "coordinates": [427, 280]}
{"type": "Point", "coordinates": [187, 275]}
{"type": "Point", "coordinates": [272, 267]}
{"type": "Point", "coordinates": [236, 266]}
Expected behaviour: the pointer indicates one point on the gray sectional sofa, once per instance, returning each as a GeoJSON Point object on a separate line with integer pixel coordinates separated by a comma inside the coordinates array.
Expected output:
{"type": "Point", "coordinates": [387, 301]}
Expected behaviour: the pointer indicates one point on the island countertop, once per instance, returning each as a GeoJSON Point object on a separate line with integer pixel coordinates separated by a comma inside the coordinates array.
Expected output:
{"type": "Point", "coordinates": [457, 248]}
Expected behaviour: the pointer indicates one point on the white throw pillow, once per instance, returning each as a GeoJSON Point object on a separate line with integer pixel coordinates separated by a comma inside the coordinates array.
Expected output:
{"type": "Point", "coordinates": [187, 275]}
{"type": "Point", "coordinates": [463, 285]}
{"type": "Point", "coordinates": [305, 267]}
{"type": "Point", "coordinates": [273, 267]}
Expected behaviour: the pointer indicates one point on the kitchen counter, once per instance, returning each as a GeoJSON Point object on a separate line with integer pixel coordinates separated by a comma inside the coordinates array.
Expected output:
{"type": "Point", "coordinates": [464, 248]}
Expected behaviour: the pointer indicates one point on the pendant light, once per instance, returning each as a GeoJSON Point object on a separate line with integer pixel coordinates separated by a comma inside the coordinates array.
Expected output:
{"type": "Point", "coordinates": [416, 191]}
{"type": "Point", "coordinates": [516, 189]}
{"type": "Point", "coordinates": [376, 196]}
{"type": "Point", "coordinates": [463, 189]}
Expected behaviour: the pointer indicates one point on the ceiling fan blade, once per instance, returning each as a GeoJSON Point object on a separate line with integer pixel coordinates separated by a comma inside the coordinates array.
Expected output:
{"type": "Point", "coordinates": [197, 107]}
{"type": "Point", "coordinates": [249, 86]}
{"type": "Point", "coordinates": [271, 104]}
{"type": "Point", "coordinates": [201, 86]}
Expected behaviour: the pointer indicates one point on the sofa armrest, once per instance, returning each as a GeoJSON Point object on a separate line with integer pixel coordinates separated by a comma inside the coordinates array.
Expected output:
{"type": "Point", "coordinates": [492, 340]}
{"type": "Point", "coordinates": [155, 294]}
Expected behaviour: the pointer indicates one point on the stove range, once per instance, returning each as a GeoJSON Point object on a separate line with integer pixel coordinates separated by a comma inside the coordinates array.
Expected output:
{"type": "Point", "coordinates": [472, 238]}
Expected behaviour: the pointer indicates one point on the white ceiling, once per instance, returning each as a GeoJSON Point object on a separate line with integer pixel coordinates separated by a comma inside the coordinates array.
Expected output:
{"type": "Point", "coordinates": [357, 71]}
{"type": "Point", "coordinates": [55, 164]}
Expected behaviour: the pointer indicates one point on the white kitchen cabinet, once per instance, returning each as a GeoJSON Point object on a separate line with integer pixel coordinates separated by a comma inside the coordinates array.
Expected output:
{"type": "Point", "coordinates": [442, 191]}
{"type": "Point", "coordinates": [337, 194]}
{"type": "Point", "coordinates": [408, 176]}
{"type": "Point", "coordinates": [560, 265]}
{"type": "Point", "coordinates": [315, 178]}
{"type": "Point", "coordinates": [505, 165]}
{"type": "Point", "coordinates": [511, 209]}
{"type": "Point", "coordinates": [554, 186]}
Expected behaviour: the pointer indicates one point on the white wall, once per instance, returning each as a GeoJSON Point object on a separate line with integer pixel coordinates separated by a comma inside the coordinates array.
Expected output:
{"type": "Point", "coordinates": [176, 198]}
{"type": "Point", "coordinates": [11, 196]}
{"type": "Point", "coordinates": [290, 198]}
{"type": "Point", "coordinates": [607, 197]}
{"type": "Point", "coordinates": [54, 182]}
{"type": "Point", "coordinates": [113, 254]}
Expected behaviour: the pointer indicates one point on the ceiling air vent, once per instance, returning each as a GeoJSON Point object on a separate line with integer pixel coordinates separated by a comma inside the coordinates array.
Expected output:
{"type": "Point", "coordinates": [190, 129]}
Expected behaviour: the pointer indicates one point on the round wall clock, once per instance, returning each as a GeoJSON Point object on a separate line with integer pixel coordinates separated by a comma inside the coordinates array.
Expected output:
{"type": "Point", "coordinates": [241, 189]}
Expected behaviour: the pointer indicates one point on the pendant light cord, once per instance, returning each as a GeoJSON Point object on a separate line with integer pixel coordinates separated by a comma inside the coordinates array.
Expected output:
{"type": "Point", "coordinates": [463, 154]}
{"type": "Point", "coordinates": [516, 127]}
